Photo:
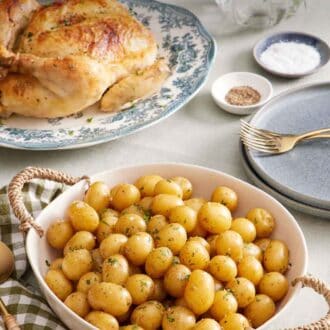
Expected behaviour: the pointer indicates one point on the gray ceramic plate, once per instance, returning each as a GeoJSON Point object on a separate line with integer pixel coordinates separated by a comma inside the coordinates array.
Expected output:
{"type": "Point", "coordinates": [302, 174]}
{"type": "Point", "coordinates": [304, 208]}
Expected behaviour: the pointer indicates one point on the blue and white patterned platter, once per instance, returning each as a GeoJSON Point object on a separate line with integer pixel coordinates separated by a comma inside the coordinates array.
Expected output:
{"type": "Point", "coordinates": [190, 51]}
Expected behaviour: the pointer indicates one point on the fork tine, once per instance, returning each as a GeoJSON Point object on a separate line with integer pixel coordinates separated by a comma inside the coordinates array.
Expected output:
{"type": "Point", "coordinates": [258, 130]}
{"type": "Point", "coordinates": [257, 148]}
{"type": "Point", "coordinates": [253, 138]}
{"type": "Point", "coordinates": [254, 131]}
{"type": "Point", "coordinates": [260, 144]}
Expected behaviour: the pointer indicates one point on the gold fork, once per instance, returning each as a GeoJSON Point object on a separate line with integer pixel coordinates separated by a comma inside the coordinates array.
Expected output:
{"type": "Point", "coordinates": [275, 143]}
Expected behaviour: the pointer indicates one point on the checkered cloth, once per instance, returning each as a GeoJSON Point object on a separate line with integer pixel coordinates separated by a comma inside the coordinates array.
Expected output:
{"type": "Point", "coordinates": [20, 293]}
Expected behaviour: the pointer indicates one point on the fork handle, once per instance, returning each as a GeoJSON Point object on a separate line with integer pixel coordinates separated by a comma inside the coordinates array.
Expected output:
{"type": "Point", "coordinates": [313, 134]}
{"type": "Point", "coordinates": [318, 136]}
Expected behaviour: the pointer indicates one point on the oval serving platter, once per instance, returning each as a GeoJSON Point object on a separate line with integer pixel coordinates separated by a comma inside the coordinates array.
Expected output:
{"type": "Point", "coordinates": [190, 51]}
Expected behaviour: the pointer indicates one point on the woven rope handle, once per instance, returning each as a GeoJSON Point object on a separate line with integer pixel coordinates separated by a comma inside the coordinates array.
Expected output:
{"type": "Point", "coordinates": [15, 192]}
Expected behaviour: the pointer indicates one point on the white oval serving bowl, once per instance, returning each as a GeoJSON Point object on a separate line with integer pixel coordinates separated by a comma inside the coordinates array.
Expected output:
{"type": "Point", "coordinates": [204, 181]}
{"type": "Point", "coordinates": [234, 79]}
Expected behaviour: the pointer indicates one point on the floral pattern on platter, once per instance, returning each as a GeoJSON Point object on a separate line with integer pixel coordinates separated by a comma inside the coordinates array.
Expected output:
{"type": "Point", "coordinates": [190, 51]}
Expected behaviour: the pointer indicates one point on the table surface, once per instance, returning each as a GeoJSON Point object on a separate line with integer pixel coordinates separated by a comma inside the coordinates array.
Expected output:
{"type": "Point", "coordinates": [214, 141]}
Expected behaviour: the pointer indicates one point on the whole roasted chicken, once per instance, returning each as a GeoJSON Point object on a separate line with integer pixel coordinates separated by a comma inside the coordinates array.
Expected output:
{"type": "Point", "coordinates": [57, 60]}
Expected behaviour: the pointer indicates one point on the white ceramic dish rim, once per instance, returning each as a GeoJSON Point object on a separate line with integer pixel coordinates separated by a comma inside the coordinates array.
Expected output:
{"type": "Point", "coordinates": [33, 235]}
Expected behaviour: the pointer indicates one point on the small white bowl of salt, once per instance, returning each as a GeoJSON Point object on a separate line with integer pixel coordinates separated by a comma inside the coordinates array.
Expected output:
{"type": "Point", "coordinates": [291, 54]}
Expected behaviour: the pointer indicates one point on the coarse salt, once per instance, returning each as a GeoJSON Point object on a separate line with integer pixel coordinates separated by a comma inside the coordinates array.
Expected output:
{"type": "Point", "coordinates": [290, 57]}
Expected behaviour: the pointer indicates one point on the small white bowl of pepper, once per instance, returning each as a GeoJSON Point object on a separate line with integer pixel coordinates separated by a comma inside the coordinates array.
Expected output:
{"type": "Point", "coordinates": [241, 93]}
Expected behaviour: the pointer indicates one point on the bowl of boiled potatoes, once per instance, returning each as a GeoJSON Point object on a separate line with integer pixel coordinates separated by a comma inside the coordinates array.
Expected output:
{"type": "Point", "coordinates": [166, 246]}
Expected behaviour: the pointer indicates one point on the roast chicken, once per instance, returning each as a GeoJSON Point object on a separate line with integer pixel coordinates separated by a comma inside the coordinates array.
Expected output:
{"type": "Point", "coordinates": [59, 59]}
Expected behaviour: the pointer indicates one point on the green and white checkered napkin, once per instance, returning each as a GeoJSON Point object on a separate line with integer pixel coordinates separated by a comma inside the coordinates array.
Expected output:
{"type": "Point", "coordinates": [20, 293]}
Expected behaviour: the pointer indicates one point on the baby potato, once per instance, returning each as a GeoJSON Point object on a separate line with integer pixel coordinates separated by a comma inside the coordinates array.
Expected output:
{"type": "Point", "coordinates": [245, 228]}
{"type": "Point", "coordinates": [155, 224]}
{"type": "Point", "coordinates": [261, 309]}
{"type": "Point", "coordinates": [138, 247]}
{"type": "Point", "coordinates": [262, 243]}
{"type": "Point", "coordinates": [276, 257]}
{"type": "Point", "coordinates": [178, 317]}
{"type": "Point", "coordinates": [206, 324]}
{"type": "Point", "coordinates": [169, 187]}
{"type": "Point", "coordinates": [158, 261]}
{"type": "Point", "coordinates": [140, 287]}
{"type": "Point", "coordinates": [225, 196]}
{"type": "Point", "coordinates": [77, 263]}
{"type": "Point", "coordinates": [83, 216]}
{"type": "Point", "coordinates": [235, 321]}
{"type": "Point", "coordinates": [230, 243]}
{"type": "Point", "coordinates": [214, 217]}
{"type": "Point", "coordinates": [109, 297]}
{"type": "Point", "coordinates": [86, 281]}
{"type": "Point", "coordinates": [194, 255]}
{"type": "Point", "coordinates": [243, 290]}
{"type": "Point", "coordinates": [275, 285]}
{"type": "Point", "coordinates": [107, 223]}
{"type": "Point", "coordinates": [124, 195]}
{"type": "Point", "coordinates": [80, 240]}
{"type": "Point", "coordinates": [145, 203]}
{"type": "Point", "coordinates": [211, 239]}
{"type": "Point", "coordinates": [113, 244]}
{"type": "Point", "coordinates": [56, 264]}
{"type": "Point", "coordinates": [176, 279]}
{"type": "Point", "coordinates": [98, 196]}
{"type": "Point", "coordinates": [102, 321]}
{"type": "Point", "coordinates": [223, 268]}
{"type": "Point", "coordinates": [59, 233]}
{"type": "Point", "coordinates": [199, 292]}
{"type": "Point", "coordinates": [186, 186]}
{"type": "Point", "coordinates": [130, 224]}
{"type": "Point", "coordinates": [131, 327]}
{"type": "Point", "coordinates": [263, 221]}
{"type": "Point", "coordinates": [115, 269]}
{"type": "Point", "coordinates": [133, 209]}
{"type": "Point", "coordinates": [58, 283]}
{"type": "Point", "coordinates": [146, 184]}
{"type": "Point", "coordinates": [159, 292]}
{"type": "Point", "coordinates": [201, 241]}
{"type": "Point", "coordinates": [195, 203]}
{"type": "Point", "coordinates": [77, 302]}
{"type": "Point", "coordinates": [185, 216]}
{"type": "Point", "coordinates": [172, 236]}
{"type": "Point", "coordinates": [164, 203]}
{"type": "Point", "coordinates": [253, 250]}
{"type": "Point", "coordinates": [199, 231]}
{"type": "Point", "coordinates": [224, 303]}
{"type": "Point", "coordinates": [132, 269]}
{"type": "Point", "coordinates": [250, 268]}
{"type": "Point", "coordinates": [148, 315]}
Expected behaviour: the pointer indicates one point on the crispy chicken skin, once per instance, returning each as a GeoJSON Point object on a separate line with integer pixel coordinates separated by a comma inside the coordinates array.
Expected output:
{"type": "Point", "coordinates": [59, 59]}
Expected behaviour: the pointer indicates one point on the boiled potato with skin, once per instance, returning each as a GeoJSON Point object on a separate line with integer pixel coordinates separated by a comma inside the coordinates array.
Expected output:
{"type": "Point", "coordinates": [131, 327]}
{"type": "Point", "coordinates": [158, 261]}
{"type": "Point", "coordinates": [276, 257]}
{"type": "Point", "coordinates": [133, 209]}
{"type": "Point", "coordinates": [230, 243]}
{"type": "Point", "coordinates": [178, 317]}
{"type": "Point", "coordinates": [225, 196]}
{"type": "Point", "coordinates": [201, 241]}
{"type": "Point", "coordinates": [206, 324]}
{"type": "Point", "coordinates": [59, 233]}
{"type": "Point", "coordinates": [214, 217]}
{"type": "Point", "coordinates": [164, 203]}
{"type": "Point", "coordinates": [262, 243]}
{"type": "Point", "coordinates": [109, 297]}
{"type": "Point", "coordinates": [107, 223]}
{"type": "Point", "coordinates": [260, 310]}
{"type": "Point", "coordinates": [211, 239]}
{"type": "Point", "coordinates": [138, 247]}
{"type": "Point", "coordinates": [98, 196]}
{"type": "Point", "coordinates": [124, 195]}
{"type": "Point", "coordinates": [132, 269]}
{"type": "Point", "coordinates": [148, 315]}
{"type": "Point", "coordinates": [58, 283]}
{"type": "Point", "coordinates": [83, 216]}
{"type": "Point", "coordinates": [115, 269]}
{"type": "Point", "coordinates": [113, 244]}
{"type": "Point", "coordinates": [224, 303]}
{"type": "Point", "coordinates": [186, 186]}
{"type": "Point", "coordinates": [235, 321]}
{"type": "Point", "coordinates": [172, 236]}
{"type": "Point", "coordinates": [250, 268]}
{"type": "Point", "coordinates": [77, 263]}
{"type": "Point", "coordinates": [169, 187]}
{"type": "Point", "coordinates": [77, 302]}
{"type": "Point", "coordinates": [87, 280]}
{"type": "Point", "coordinates": [199, 231]}
{"type": "Point", "coordinates": [80, 240]}
{"type": "Point", "coordinates": [130, 224]}
{"type": "Point", "coordinates": [253, 250]}
{"type": "Point", "coordinates": [199, 292]}
{"type": "Point", "coordinates": [176, 279]}
{"type": "Point", "coordinates": [245, 228]}
{"type": "Point", "coordinates": [263, 221]}
{"type": "Point", "coordinates": [56, 264]}
{"type": "Point", "coordinates": [275, 285]}
{"type": "Point", "coordinates": [159, 292]}
{"type": "Point", "coordinates": [194, 255]}
{"type": "Point", "coordinates": [145, 203]}
{"type": "Point", "coordinates": [146, 184]}
{"type": "Point", "coordinates": [243, 290]}
{"type": "Point", "coordinates": [97, 260]}
{"type": "Point", "coordinates": [141, 287]}
{"type": "Point", "coordinates": [185, 216]}
{"type": "Point", "coordinates": [155, 224]}
{"type": "Point", "coordinates": [102, 320]}
{"type": "Point", "coordinates": [195, 203]}
{"type": "Point", "coordinates": [223, 268]}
